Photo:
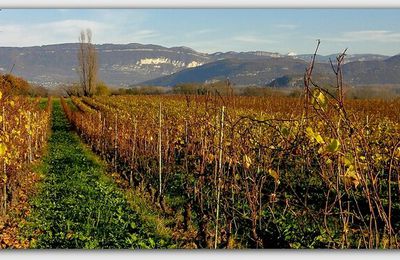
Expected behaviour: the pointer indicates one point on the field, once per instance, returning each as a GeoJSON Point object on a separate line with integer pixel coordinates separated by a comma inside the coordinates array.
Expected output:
{"type": "Point", "coordinates": [255, 172]}
{"type": "Point", "coordinates": [200, 171]}
{"type": "Point", "coordinates": [200, 129]}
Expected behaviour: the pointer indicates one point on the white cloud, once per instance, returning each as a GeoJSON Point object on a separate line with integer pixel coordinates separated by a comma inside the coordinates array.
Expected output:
{"type": "Point", "coordinates": [200, 32]}
{"type": "Point", "coordinates": [76, 24]}
{"type": "Point", "coordinates": [46, 33]}
{"type": "Point", "coordinates": [137, 36]}
{"type": "Point", "coordinates": [286, 26]}
{"type": "Point", "coordinates": [252, 39]}
{"type": "Point", "coordinates": [66, 31]}
{"type": "Point", "coordinates": [143, 34]}
{"type": "Point", "coordinates": [382, 36]}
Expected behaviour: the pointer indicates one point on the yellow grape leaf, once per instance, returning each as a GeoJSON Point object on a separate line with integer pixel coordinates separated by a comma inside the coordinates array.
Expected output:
{"type": "Point", "coordinates": [328, 161]}
{"type": "Point", "coordinates": [352, 176]}
{"type": "Point", "coordinates": [320, 100]}
{"type": "Point", "coordinates": [319, 139]}
{"type": "Point", "coordinates": [274, 174]}
{"type": "Point", "coordinates": [397, 153]}
{"type": "Point", "coordinates": [378, 158]}
{"type": "Point", "coordinates": [285, 131]}
{"type": "Point", "coordinates": [246, 161]}
{"type": "Point", "coordinates": [310, 133]}
{"type": "Point", "coordinates": [1, 95]}
{"type": "Point", "coordinates": [3, 149]}
{"type": "Point", "coordinates": [333, 146]}
{"type": "Point", "coordinates": [347, 162]}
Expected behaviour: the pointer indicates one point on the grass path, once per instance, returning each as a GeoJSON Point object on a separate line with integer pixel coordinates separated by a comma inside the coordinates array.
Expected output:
{"type": "Point", "coordinates": [78, 205]}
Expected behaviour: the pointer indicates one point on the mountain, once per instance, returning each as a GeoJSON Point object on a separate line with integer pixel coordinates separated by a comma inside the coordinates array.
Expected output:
{"type": "Point", "coordinates": [241, 72]}
{"type": "Point", "coordinates": [348, 58]}
{"type": "Point", "coordinates": [134, 63]}
{"type": "Point", "coordinates": [287, 81]}
{"type": "Point", "coordinates": [119, 64]}
{"type": "Point", "coordinates": [373, 72]}
{"type": "Point", "coordinates": [249, 55]}
{"type": "Point", "coordinates": [285, 72]}
{"type": "Point", "coordinates": [355, 73]}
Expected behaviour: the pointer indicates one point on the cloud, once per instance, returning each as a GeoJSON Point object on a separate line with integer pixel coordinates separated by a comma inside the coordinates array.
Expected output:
{"type": "Point", "coordinates": [68, 31]}
{"type": "Point", "coordinates": [70, 27]}
{"type": "Point", "coordinates": [252, 39]}
{"type": "Point", "coordinates": [136, 36]}
{"type": "Point", "coordinates": [286, 26]}
{"type": "Point", "coordinates": [146, 33]}
{"type": "Point", "coordinates": [45, 33]}
{"type": "Point", "coordinates": [382, 36]}
{"type": "Point", "coordinates": [200, 32]}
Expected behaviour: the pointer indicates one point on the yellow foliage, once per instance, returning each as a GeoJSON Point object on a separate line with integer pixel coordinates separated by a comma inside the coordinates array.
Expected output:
{"type": "Point", "coordinates": [246, 161]}
{"type": "Point", "coordinates": [3, 149]}
{"type": "Point", "coordinates": [274, 174]}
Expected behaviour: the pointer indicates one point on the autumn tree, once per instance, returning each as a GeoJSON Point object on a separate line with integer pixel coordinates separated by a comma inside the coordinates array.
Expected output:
{"type": "Point", "coordinates": [87, 58]}
{"type": "Point", "coordinates": [102, 89]}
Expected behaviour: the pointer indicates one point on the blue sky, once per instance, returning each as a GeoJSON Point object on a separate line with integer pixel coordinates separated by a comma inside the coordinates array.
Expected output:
{"type": "Point", "coordinates": [212, 30]}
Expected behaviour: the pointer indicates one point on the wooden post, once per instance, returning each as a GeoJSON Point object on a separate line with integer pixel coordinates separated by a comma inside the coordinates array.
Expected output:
{"type": "Point", "coordinates": [133, 163]}
{"type": "Point", "coordinates": [29, 138]}
{"type": "Point", "coordinates": [159, 151]}
{"type": "Point", "coordinates": [116, 142]}
{"type": "Point", "coordinates": [221, 136]}
{"type": "Point", "coordinates": [4, 168]}
{"type": "Point", "coordinates": [134, 138]}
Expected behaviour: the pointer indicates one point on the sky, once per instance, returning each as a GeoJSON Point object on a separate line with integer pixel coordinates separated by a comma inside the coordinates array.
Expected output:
{"type": "Point", "coordinates": [212, 30]}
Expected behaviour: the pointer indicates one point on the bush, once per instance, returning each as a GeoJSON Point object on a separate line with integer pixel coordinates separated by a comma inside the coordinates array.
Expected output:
{"type": "Point", "coordinates": [102, 89]}
{"type": "Point", "coordinates": [14, 84]}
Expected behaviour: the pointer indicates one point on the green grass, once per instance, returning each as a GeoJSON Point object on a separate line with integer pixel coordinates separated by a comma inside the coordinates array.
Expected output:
{"type": "Point", "coordinates": [78, 205]}
{"type": "Point", "coordinates": [43, 103]}
{"type": "Point", "coordinates": [71, 104]}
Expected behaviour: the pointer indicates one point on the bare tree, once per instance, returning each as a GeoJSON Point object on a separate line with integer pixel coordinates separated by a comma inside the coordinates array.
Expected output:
{"type": "Point", "coordinates": [87, 58]}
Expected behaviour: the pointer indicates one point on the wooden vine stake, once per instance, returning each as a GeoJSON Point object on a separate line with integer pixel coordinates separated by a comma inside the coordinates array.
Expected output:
{"type": "Point", "coordinates": [159, 150]}
{"type": "Point", "coordinates": [133, 149]}
{"type": "Point", "coordinates": [221, 136]}
{"type": "Point", "coordinates": [30, 158]}
{"type": "Point", "coordinates": [116, 142]}
{"type": "Point", "coordinates": [4, 168]}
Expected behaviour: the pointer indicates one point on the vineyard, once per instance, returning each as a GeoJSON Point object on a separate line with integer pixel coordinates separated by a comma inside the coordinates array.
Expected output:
{"type": "Point", "coordinates": [155, 128]}
{"type": "Point", "coordinates": [24, 127]}
{"type": "Point", "coordinates": [250, 172]}
{"type": "Point", "coordinates": [199, 171]}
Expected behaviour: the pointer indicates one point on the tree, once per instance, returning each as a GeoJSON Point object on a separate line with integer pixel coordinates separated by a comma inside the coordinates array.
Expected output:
{"type": "Point", "coordinates": [87, 58]}
{"type": "Point", "coordinates": [74, 89]}
{"type": "Point", "coordinates": [102, 89]}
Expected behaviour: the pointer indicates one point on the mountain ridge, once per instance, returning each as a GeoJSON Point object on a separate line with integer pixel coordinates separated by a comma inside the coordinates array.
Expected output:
{"type": "Point", "coordinates": [136, 63]}
{"type": "Point", "coordinates": [356, 73]}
